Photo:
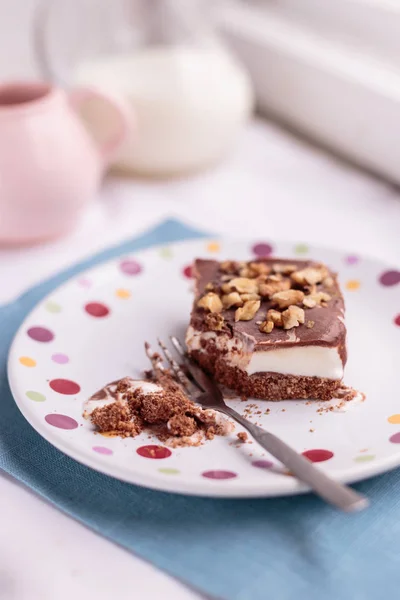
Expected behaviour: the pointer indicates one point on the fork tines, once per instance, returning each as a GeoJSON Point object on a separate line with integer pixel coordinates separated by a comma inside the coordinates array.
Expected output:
{"type": "Point", "coordinates": [174, 365]}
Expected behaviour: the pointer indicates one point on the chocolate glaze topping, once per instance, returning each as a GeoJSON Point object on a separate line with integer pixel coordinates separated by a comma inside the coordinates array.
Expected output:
{"type": "Point", "coordinates": [328, 330]}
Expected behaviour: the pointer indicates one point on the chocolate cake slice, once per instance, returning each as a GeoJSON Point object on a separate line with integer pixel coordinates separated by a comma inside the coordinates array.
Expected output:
{"type": "Point", "coordinates": [271, 329]}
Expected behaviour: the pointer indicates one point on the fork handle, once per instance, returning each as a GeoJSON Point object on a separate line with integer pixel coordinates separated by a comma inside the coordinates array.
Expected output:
{"type": "Point", "coordinates": [335, 493]}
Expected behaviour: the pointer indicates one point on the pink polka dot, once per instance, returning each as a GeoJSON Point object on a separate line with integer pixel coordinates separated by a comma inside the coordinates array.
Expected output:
{"type": "Point", "coordinates": [65, 387]}
{"type": "Point", "coordinates": [59, 358]}
{"type": "Point", "coordinates": [102, 450]}
{"type": "Point", "coordinates": [352, 259]}
{"type": "Point", "coordinates": [85, 282]}
{"type": "Point", "coordinates": [395, 438]}
{"type": "Point", "coordinates": [152, 451]}
{"type": "Point", "coordinates": [61, 421]}
{"type": "Point", "coordinates": [389, 278]}
{"type": "Point", "coordinates": [40, 334]}
{"type": "Point", "coordinates": [262, 464]}
{"type": "Point", "coordinates": [262, 249]}
{"type": "Point", "coordinates": [130, 267]}
{"type": "Point", "coordinates": [187, 272]}
{"type": "Point", "coordinates": [397, 320]}
{"type": "Point", "coordinates": [318, 455]}
{"type": "Point", "coordinates": [96, 309]}
{"type": "Point", "coordinates": [219, 474]}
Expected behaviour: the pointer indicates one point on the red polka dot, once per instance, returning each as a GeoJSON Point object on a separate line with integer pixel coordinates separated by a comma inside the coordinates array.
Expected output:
{"type": "Point", "coordinates": [40, 334]}
{"type": "Point", "coordinates": [318, 455]}
{"type": "Point", "coordinates": [130, 267]}
{"type": "Point", "coordinates": [219, 474]}
{"type": "Point", "coordinates": [397, 320]}
{"type": "Point", "coordinates": [65, 386]}
{"type": "Point", "coordinates": [389, 278]}
{"type": "Point", "coordinates": [96, 309]}
{"type": "Point", "coordinates": [154, 451]}
{"type": "Point", "coordinates": [395, 438]}
{"type": "Point", "coordinates": [262, 464]}
{"type": "Point", "coordinates": [187, 271]}
{"type": "Point", "coordinates": [61, 421]}
{"type": "Point", "coordinates": [262, 249]}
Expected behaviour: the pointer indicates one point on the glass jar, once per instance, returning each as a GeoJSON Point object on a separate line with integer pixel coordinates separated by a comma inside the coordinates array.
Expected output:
{"type": "Point", "coordinates": [188, 95]}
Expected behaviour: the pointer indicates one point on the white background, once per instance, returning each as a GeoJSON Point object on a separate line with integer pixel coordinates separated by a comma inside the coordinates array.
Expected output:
{"type": "Point", "coordinates": [272, 186]}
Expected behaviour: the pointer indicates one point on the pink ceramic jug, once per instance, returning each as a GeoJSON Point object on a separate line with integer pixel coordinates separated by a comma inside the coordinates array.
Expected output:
{"type": "Point", "coordinates": [50, 164]}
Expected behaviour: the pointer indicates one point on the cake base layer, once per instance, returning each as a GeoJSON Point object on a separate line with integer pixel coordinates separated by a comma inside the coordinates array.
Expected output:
{"type": "Point", "coordinates": [266, 386]}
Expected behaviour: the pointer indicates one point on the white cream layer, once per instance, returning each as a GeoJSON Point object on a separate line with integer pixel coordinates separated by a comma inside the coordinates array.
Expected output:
{"type": "Point", "coordinates": [306, 361]}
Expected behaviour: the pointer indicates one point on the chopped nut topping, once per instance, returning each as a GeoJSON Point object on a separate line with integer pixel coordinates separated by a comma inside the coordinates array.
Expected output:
{"type": "Point", "coordinates": [275, 316]}
{"type": "Point", "coordinates": [243, 285]}
{"type": "Point", "coordinates": [316, 299]}
{"type": "Point", "coordinates": [229, 266]}
{"type": "Point", "coordinates": [261, 268]}
{"type": "Point", "coordinates": [293, 317]}
{"type": "Point", "coordinates": [276, 277]}
{"type": "Point", "coordinates": [310, 275]}
{"type": "Point", "coordinates": [255, 269]}
{"type": "Point", "coordinates": [247, 297]}
{"type": "Point", "coordinates": [328, 282]}
{"type": "Point", "coordinates": [210, 287]}
{"type": "Point", "coordinates": [247, 272]}
{"type": "Point", "coordinates": [211, 302]}
{"type": "Point", "coordinates": [214, 321]}
{"type": "Point", "coordinates": [248, 311]}
{"type": "Point", "coordinates": [269, 288]}
{"type": "Point", "coordinates": [310, 324]}
{"type": "Point", "coordinates": [309, 302]}
{"type": "Point", "coordinates": [287, 298]}
{"type": "Point", "coordinates": [266, 326]}
{"type": "Point", "coordinates": [232, 299]}
{"type": "Point", "coordinates": [283, 268]}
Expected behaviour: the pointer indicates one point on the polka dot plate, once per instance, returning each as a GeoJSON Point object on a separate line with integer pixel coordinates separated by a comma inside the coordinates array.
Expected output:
{"type": "Point", "coordinates": [91, 331]}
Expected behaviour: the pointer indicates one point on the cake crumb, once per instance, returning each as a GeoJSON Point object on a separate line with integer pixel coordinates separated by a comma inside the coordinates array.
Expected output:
{"type": "Point", "coordinates": [312, 430]}
{"type": "Point", "coordinates": [242, 436]}
{"type": "Point", "coordinates": [163, 410]}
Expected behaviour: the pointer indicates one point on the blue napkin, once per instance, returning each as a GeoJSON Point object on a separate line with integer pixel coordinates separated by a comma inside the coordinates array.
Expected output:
{"type": "Point", "coordinates": [283, 549]}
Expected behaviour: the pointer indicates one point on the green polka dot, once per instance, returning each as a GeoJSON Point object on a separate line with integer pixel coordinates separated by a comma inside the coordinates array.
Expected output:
{"type": "Point", "coordinates": [301, 249]}
{"type": "Point", "coordinates": [364, 458]}
{"type": "Point", "coordinates": [53, 307]}
{"type": "Point", "coordinates": [36, 396]}
{"type": "Point", "coordinates": [166, 252]}
{"type": "Point", "coordinates": [166, 471]}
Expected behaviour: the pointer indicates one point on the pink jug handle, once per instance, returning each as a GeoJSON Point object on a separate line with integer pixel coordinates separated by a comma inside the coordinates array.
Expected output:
{"type": "Point", "coordinates": [121, 116]}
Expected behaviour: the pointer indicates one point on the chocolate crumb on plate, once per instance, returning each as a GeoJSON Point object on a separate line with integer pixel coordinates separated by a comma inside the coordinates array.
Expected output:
{"type": "Point", "coordinates": [157, 405]}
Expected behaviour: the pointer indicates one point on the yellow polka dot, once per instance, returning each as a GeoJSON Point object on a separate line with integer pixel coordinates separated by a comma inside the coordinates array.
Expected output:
{"type": "Point", "coordinates": [353, 284]}
{"type": "Point", "coordinates": [166, 252]}
{"type": "Point", "coordinates": [213, 247]}
{"type": "Point", "coordinates": [27, 362]}
{"type": "Point", "coordinates": [364, 458]}
{"type": "Point", "coordinates": [394, 419]}
{"type": "Point", "coordinates": [121, 293]}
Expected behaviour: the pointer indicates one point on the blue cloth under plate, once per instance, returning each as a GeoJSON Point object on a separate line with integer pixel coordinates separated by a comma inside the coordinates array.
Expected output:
{"type": "Point", "coordinates": [274, 549]}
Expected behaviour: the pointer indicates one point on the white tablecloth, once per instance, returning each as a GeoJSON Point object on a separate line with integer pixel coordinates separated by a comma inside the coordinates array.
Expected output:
{"type": "Point", "coordinates": [272, 186]}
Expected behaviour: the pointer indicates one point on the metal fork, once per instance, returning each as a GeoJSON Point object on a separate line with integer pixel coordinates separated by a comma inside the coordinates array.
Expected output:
{"type": "Point", "coordinates": [203, 390]}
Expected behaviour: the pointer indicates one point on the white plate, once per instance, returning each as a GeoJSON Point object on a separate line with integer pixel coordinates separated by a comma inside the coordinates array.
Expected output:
{"type": "Point", "coordinates": [148, 295]}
